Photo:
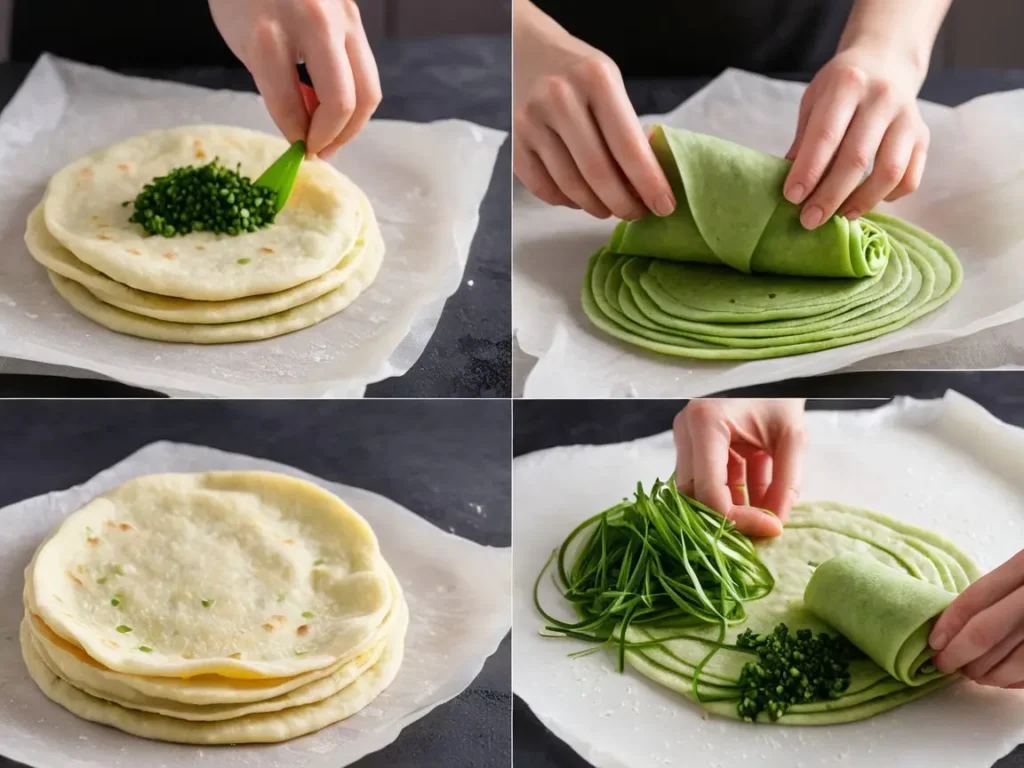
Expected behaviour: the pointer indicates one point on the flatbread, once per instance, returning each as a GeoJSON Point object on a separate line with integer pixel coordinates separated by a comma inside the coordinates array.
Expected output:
{"type": "Point", "coordinates": [49, 252]}
{"type": "Point", "coordinates": [813, 535]}
{"type": "Point", "coordinates": [303, 316]}
{"type": "Point", "coordinates": [239, 574]}
{"type": "Point", "coordinates": [254, 728]}
{"type": "Point", "coordinates": [83, 210]}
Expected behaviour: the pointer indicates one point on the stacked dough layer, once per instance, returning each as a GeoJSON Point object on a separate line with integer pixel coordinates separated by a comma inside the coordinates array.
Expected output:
{"type": "Point", "coordinates": [227, 607]}
{"type": "Point", "coordinates": [324, 249]}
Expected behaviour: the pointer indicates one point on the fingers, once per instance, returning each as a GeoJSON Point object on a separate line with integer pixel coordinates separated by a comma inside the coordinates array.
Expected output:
{"type": "Point", "coordinates": [334, 82]}
{"type": "Point", "coordinates": [759, 477]}
{"type": "Point", "coordinates": [890, 166]}
{"type": "Point", "coordinates": [801, 123]}
{"type": "Point", "coordinates": [1008, 672]}
{"type": "Point", "coordinates": [626, 140]}
{"type": "Point", "coordinates": [856, 151]}
{"type": "Point", "coordinates": [273, 67]}
{"type": "Point", "coordinates": [787, 471]}
{"type": "Point", "coordinates": [982, 632]}
{"type": "Point", "coordinates": [559, 162]}
{"type": "Point", "coordinates": [368, 94]}
{"type": "Point", "coordinates": [985, 663]}
{"type": "Point", "coordinates": [572, 121]}
{"type": "Point", "coordinates": [535, 176]}
{"type": "Point", "coordinates": [736, 478]}
{"type": "Point", "coordinates": [915, 171]}
{"type": "Point", "coordinates": [684, 453]}
{"type": "Point", "coordinates": [830, 117]}
{"type": "Point", "coordinates": [985, 592]}
{"type": "Point", "coordinates": [712, 465]}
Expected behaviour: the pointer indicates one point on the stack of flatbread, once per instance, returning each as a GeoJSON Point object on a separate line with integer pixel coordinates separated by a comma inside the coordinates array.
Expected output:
{"type": "Point", "coordinates": [218, 608]}
{"type": "Point", "coordinates": [322, 251]}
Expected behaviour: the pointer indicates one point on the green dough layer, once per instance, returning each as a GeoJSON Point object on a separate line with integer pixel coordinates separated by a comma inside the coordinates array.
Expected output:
{"type": "Point", "coordinates": [881, 583]}
{"type": "Point", "coordinates": [732, 275]}
{"type": "Point", "coordinates": [885, 612]}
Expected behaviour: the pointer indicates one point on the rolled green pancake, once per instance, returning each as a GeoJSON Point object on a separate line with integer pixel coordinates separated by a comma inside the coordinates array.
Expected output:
{"type": "Point", "coordinates": [731, 211]}
{"type": "Point", "coordinates": [886, 613]}
{"type": "Point", "coordinates": [815, 534]}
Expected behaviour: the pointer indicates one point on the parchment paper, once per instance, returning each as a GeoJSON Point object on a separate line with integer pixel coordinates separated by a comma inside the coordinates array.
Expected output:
{"type": "Point", "coordinates": [946, 465]}
{"type": "Point", "coordinates": [425, 181]}
{"type": "Point", "coordinates": [459, 604]}
{"type": "Point", "coordinates": [971, 197]}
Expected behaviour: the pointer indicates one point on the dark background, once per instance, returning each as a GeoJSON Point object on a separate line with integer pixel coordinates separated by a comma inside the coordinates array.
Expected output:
{"type": "Point", "coordinates": [429, 456]}
{"type": "Point", "coordinates": [541, 424]}
{"type": "Point", "coordinates": [424, 79]}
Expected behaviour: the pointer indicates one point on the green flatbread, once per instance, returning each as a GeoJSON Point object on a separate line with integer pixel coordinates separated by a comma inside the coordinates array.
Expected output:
{"type": "Point", "coordinates": [887, 615]}
{"type": "Point", "coordinates": [885, 612]}
{"type": "Point", "coordinates": [732, 275]}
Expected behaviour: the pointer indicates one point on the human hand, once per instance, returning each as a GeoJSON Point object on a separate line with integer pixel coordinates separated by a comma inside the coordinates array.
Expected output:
{"type": "Point", "coordinates": [578, 141]}
{"type": "Point", "coordinates": [981, 633]}
{"type": "Point", "coordinates": [860, 108]}
{"type": "Point", "coordinates": [270, 36]}
{"type": "Point", "coordinates": [738, 455]}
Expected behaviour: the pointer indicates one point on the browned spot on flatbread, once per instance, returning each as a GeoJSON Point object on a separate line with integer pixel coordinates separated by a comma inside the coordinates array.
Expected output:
{"type": "Point", "coordinates": [264, 249]}
{"type": "Point", "coordinates": [110, 524]}
{"type": "Point", "coordinates": [104, 236]}
{"type": "Point", "coordinates": [123, 166]}
{"type": "Point", "coordinates": [235, 656]}
{"type": "Point", "coordinates": [288, 541]}
{"type": "Point", "coordinates": [86, 172]}
{"type": "Point", "coordinates": [74, 578]}
{"type": "Point", "coordinates": [197, 147]}
{"type": "Point", "coordinates": [269, 627]}
{"type": "Point", "coordinates": [125, 526]}
{"type": "Point", "coordinates": [200, 247]}
{"type": "Point", "coordinates": [135, 251]}
{"type": "Point", "coordinates": [279, 618]}
{"type": "Point", "coordinates": [303, 630]}
{"type": "Point", "coordinates": [170, 256]}
{"type": "Point", "coordinates": [110, 643]}
{"type": "Point", "coordinates": [94, 541]}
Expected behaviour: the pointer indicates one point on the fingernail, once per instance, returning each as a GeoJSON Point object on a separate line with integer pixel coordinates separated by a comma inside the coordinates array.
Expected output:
{"type": "Point", "coordinates": [853, 213]}
{"type": "Point", "coordinates": [795, 193]}
{"type": "Point", "coordinates": [664, 205]}
{"type": "Point", "coordinates": [939, 642]}
{"type": "Point", "coordinates": [811, 217]}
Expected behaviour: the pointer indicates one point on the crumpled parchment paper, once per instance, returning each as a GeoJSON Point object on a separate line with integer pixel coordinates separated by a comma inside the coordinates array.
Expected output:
{"type": "Point", "coordinates": [459, 597]}
{"type": "Point", "coordinates": [425, 181]}
{"type": "Point", "coordinates": [946, 465]}
{"type": "Point", "coordinates": [971, 197]}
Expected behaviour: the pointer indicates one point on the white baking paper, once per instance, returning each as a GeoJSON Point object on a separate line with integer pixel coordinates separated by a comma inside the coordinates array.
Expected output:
{"type": "Point", "coordinates": [459, 605]}
{"type": "Point", "coordinates": [971, 197]}
{"type": "Point", "coordinates": [946, 465]}
{"type": "Point", "coordinates": [425, 180]}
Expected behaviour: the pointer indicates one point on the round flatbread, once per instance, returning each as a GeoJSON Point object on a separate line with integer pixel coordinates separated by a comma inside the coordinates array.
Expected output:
{"type": "Point", "coordinates": [83, 210]}
{"type": "Point", "coordinates": [239, 574]}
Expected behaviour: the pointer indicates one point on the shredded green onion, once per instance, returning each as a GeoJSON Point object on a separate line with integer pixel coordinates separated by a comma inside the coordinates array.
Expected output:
{"type": "Point", "coordinates": [145, 649]}
{"type": "Point", "coordinates": [124, 629]}
{"type": "Point", "coordinates": [319, 561]}
{"type": "Point", "coordinates": [308, 615]}
{"type": "Point", "coordinates": [207, 603]}
{"type": "Point", "coordinates": [659, 560]}
{"type": "Point", "coordinates": [115, 600]}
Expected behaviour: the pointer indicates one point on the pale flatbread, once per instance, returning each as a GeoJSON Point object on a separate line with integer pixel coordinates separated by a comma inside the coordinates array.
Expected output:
{"type": "Point", "coordinates": [302, 316]}
{"type": "Point", "coordinates": [240, 574]}
{"type": "Point", "coordinates": [74, 665]}
{"type": "Point", "coordinates": [84, 211]}
{"type": "Point", "coordinates": [49, 252]}
{"type": "Point", "coordinates": [267, 727]}
{"type": "Point", "coordinates": [309, 693]}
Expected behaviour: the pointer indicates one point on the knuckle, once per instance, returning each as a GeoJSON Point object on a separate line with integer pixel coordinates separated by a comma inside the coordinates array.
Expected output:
{"type": "Point", "coordinates": [317, 11]}
{"type": "Point", "coordinates": [827, 135]}
{"type": "Point", "coordinates": [266, 34]}
{"type": "Point", "coordinates": [858, 158]}
{"type": "Point", "coordinates": [884, 91]}
{"type": "Point", "coordinates": [555, 90]}
{"type": "Point", "coordinates": [852, 76]}
{"type": "Point", "coordinates": [596, 72]}
{"type": "Point", "coordinates": [979, 635]}
{"type": "Point", "coordinates": [351, 8]}
{"type": "Point", "coordinates": [703, 413]}
{"type": "Point", "coordinates": [891, 171]}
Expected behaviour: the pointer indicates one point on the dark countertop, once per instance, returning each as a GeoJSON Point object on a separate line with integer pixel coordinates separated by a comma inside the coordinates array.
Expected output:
{"type": "Point", "coordinates": [470, 353]}
{"type": "Point", "coordinates": [541, 424]}
{"type": "Point", "coordinates": [430, 456]}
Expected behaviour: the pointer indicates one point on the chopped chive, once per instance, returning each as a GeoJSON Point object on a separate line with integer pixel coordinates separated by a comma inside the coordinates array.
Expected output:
{"type": "Point", "coordinates": [124, 629]}
{"type": "Point", "coordinates": [207, 603]}
{"type": "Point", "coordinates": [101, 580]}
{"type": "Point", "coordinates": [301, 653]}
{"type": "Point", "coordinates": [320, 561]}
{"type": "Point", "coordinates": [280, 597]}
{"type": "Point", "coordinates": [119, 569]}
{"type": "Point", "coordinates": [115, 601]}
{"type": "Point", "coordinates": [145, 649]}
{"type": "Point", "coordinates": [246, 260]}
{"type": "Point", "coordinates": [308, 615]}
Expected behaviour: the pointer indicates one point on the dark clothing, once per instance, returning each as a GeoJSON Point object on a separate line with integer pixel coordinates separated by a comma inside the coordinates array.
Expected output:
{"type": "Point", "coordinates": [678, 38]}
{"type": "Point", "coordinates": [120, 33]}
